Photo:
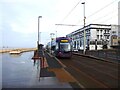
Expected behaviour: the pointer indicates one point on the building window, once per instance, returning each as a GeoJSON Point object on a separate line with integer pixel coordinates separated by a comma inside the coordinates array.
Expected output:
{"type": "Point", "coordinates": [114, 32]}
{"type": "Point", "coordinates": [114, 37]}
{"type": "Point", "coordinates": [74, 44]}
{"type": "Point", "coordinates": [97, 31]}
{"type": "Point", "coordinates": [105, 31]}
{"type": "Point", "coordinates": [97, 36]}
{"type": "Point", "coordinates": [100, 36]}
{"type": "Point", "coordinates": [80, 43]}
{"type": "Point", "coordinates": [107, 37]}
{"type": "Point", "coordinates": [92, 42]}
{"type": "Point", "coordinates": [101, 31]}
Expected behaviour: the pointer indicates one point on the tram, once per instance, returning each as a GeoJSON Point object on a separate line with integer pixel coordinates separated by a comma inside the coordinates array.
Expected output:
{"type": "Point", "coordinates": [61, 47]}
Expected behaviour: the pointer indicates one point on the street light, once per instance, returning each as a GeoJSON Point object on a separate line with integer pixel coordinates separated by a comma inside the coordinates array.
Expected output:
{"type": "Point", "coordinates": [84, 28]}
{"type": "Point", "coordinates": [38, 29]}
{"type": "Point", "coordinates": [56, 34]}
{"type": "Point", "coordinates": [51, 34]}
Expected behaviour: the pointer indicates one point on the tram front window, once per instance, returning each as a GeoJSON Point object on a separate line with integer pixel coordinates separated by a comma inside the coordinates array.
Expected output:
{"type": "Point", "coordinates": [65, 46]}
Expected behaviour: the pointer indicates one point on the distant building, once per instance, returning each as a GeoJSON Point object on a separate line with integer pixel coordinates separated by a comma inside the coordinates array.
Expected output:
{"type": "Point", "coordinates": [114, 35]}
{"type": "Point", "coordinates": [97, 35]}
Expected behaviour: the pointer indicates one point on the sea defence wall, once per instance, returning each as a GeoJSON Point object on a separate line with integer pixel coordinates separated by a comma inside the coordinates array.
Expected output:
{"type": "Point", "coordinates": [17, 49]}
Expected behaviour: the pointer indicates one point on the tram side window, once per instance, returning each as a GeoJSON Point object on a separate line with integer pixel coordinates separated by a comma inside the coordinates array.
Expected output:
{"type": "Point", "coordinates": [57, 46]}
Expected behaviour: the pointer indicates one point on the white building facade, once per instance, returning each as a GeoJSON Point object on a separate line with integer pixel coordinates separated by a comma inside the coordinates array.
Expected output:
{"type": "Point", "coordinates": [96, 35]}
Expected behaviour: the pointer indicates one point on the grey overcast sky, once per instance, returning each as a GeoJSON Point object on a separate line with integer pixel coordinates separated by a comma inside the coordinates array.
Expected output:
{"type": "Point", "coordinates": [19, 18]}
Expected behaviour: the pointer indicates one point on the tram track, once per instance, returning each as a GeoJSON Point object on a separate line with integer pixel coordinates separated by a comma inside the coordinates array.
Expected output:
{"type": "Point", "coordinates": [98, 70]}
{"type": "Point", "coordinates": [92, 73]}
{"type": "Point", "coordinates": [89, 77]}
{"type": "Point", "coordinates": [83, 78]}
{"type": "Point", "coordinates": [108, 69]}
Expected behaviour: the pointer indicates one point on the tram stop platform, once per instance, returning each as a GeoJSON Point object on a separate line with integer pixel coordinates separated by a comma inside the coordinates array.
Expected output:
{"type": "Point", "coordinates": [52, 72]}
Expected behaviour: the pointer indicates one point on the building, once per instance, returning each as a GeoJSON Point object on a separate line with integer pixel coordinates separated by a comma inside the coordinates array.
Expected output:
{"type": "Point", "coordinates": [114, 35]}
{"type": "Point", "coordinates": [96, 36]}
{"type": "Point", "coordinates": [115, 31]}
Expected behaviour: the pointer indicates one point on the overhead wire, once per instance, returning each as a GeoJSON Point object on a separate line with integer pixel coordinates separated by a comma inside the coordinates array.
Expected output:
{"type": "Point", "coordinates": [109, 18]}
{"type": "Point", "coordinates": [106, 15]}
{"type": "Point", "coordinates": [98, 10]}
{"type": "Point", "coordinates": [101, 9]}
{"type": "Point", "coordinates": [68, 15]}
{"type": "Point", "coordinates": [71, 11]}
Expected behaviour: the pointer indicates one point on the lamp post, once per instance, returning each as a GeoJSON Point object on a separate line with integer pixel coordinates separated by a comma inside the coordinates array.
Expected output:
{"type": "Point", "coordinates": [56, 35]}
{"type": "Point", "coordinates": [84, 28]}
{"type": "Point", "coordinates": [51, 34]}
{"type": "Point", "coordinates": [38, 29]}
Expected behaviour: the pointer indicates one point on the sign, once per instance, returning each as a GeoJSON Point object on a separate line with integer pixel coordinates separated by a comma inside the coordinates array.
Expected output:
{"type": "Point", "coordinates": [64, 41]}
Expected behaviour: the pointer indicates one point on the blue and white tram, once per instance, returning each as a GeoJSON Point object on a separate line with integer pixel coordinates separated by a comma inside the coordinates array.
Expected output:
{"type": "Point", "coordinates": [61, 47]}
